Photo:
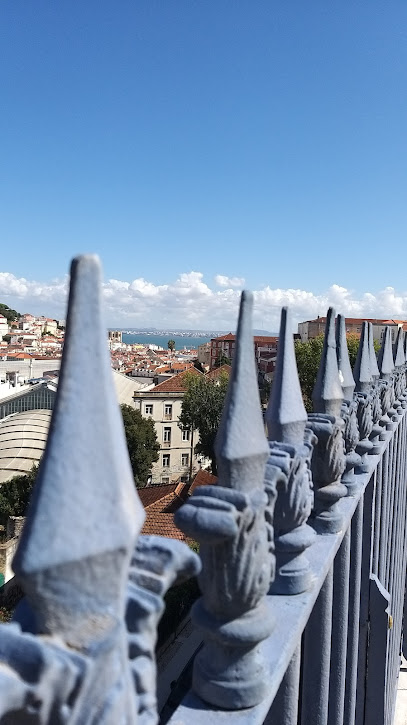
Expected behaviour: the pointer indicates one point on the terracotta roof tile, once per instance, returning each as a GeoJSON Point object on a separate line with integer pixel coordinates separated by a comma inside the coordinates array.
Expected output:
{"type": "Point", "coordinates": [218, 371]}
{"type": "Point", "coordinates": [151, 494]}
{"type": "Point", "coordinates": [203, 478]}
{"type": "Point", "coordinates": [176, 384]}
{"type": "Point", "coordinates": [256, 338]}
{"type": "Point", "coordinates": [160, 522]}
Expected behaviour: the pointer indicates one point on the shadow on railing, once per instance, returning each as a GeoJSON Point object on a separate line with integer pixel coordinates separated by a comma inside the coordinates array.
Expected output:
{"type": "Point", "coordinates": [302, 544]}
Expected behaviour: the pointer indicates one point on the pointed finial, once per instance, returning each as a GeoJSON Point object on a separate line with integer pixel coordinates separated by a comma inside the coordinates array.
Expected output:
{"type": "Point", "coordinates": [362, 371]}
{"type": "Point", "coordinates": [286, 415]}
{"type": "Point", "coordinates": [85, 515]}
{"type": "Point", "coordinates": [385, 360]}
{"type": "Point", "coordinates": [241, 447]}
{"type": "Point", "coordinates": [342, 354]}
{"type": "Point", "coordinates": [372, 354]}
{"type": "Point", "coordinates": [327, 395]}
{"type": "Point", "coordinates": [399, 356]}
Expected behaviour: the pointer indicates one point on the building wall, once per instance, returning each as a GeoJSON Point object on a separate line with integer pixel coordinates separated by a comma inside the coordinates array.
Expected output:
{"type": "Point", "coordinates": [39, 397]}
{"type": "Point", "coordinates": [166, 425]}
{"type": "Point", "coordinates": [314, 328]}
{"type": "Point", "coordinates": [115, 335]}
{"type": "Point", "coordinates": [227, 347]}
{"type": "Point", "coordinates": [30, 368]}
{"type": "Point", "coordinates": [204, 354]}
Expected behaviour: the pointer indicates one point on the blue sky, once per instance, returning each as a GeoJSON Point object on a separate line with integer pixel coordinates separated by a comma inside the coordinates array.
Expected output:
{"type": "Point", "coordinates": [263, 141]}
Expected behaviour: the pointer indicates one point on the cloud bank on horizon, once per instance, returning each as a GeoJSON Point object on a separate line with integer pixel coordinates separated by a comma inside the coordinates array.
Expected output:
{"type": "Point", "coordinates": [191, 303]}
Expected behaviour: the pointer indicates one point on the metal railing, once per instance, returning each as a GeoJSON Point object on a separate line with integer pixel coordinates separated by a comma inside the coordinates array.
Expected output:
{"type": "Point", "coordinates": [302, 546]}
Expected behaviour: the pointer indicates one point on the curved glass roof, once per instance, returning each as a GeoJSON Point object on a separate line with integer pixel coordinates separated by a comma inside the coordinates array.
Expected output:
{"type": "Point", "coordinates": [22, 441]}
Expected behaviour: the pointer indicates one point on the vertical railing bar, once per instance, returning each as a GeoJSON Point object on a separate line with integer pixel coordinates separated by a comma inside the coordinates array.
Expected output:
{"type": "Point", "coordinates": [377, 517]}
{"type": "Point", "coordinates": [393, 516]}
{"type": "Point", "coordinates": [403, 564]}
{"type": "Point", "coordinates": [339, 632]}
{"type": "Point", "coordinates": [399, 570]}
{"type": "Point", "coordinates": [395, 632]}
{"type": "Point", "coordinates": [390, 463]}
{"type": "Point", "coordinates": [354, 613]}
{"type": "Point", "coordinates": [316, 669]}
{"type": "Point", "coordinates": [284, 709]}
{"type": "Point", "coordinates": [395, 527]}
{"type": "Point", "coordinates": [389, 547]}
{"type": "Point", "coordinates": [383, 522]}
{"type": "Point", "coordinates": [364, 598]}
{"type": "Point", "coordinates": [366, 558]}
{"type": "Point", "coordinates": [390, 562]}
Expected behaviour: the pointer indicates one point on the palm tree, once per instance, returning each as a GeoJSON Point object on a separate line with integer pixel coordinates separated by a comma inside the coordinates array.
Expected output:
{"type": "Point", "coordinates": [171, 345]}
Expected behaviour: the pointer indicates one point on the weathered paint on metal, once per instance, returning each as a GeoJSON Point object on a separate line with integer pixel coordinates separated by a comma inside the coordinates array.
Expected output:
{"type": "Point", "coordinates": [318, 646]}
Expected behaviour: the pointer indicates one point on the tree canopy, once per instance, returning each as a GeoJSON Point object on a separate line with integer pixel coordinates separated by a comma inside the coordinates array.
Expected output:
{"type": "Point", "coordinates": [143, 451]}
{"type": "Point", "coordinates": [15, 494]}
{"type": "Point", "coordinates": [142, 443]}
{"type": "Point", "coordinates": [171, 345]}
{"type": "Point", "coordinates": [308, 356]}
{"type": "Point", "coordinates": [202, 407]}
{"type": "Point", "coordinates": [222, 359]}
{"type": "Point", "coordinates": [8, 313]}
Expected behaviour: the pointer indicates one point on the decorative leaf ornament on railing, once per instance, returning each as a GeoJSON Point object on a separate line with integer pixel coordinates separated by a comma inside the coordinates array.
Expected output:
{"type": "Point", "coordinates": [328, 460]}
{"type": "Point", "coordinates": [236, 547]}
{"type": "Point", "coordinates": [349, 407]}
{"type": "Point", "coordinates": [288, 467]}
{"type": "Point", "coordinates": [66, 658]}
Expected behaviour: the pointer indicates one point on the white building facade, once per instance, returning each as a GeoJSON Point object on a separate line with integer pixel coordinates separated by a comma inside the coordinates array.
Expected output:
{"type": "Point", "coordinates": [176, 456]}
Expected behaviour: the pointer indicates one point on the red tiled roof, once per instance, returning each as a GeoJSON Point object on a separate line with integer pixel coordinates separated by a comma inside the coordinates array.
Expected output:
{"type": "Point", "coordinates": [203, 478]}
{"type": "Point", "coordinates": [256, 338]}
{"type": "Point", "coordinates": [176, 384]}
{"type": "Point", "coordinates": [161, 523]}
{"type": "Point", "coordinates": [229, 336]}
{"type": "Point", "coordinates": [218, 371]}
{"type": "Point", "coordinates": [174, 367]}
{"type": "Point", "coordinates": [153, 493]}
{"type": "Point", "coordinates": [161, 502]}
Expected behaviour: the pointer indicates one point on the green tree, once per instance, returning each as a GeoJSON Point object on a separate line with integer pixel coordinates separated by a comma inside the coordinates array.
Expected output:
{"type": "Point", "coordinates": [142, 443]}
{"type": "Point", "coordinates": [222, 359]}
{"type": "Point", "coordinates": [15, 494]}
{"type": "Point", "coordinates": [308, 356]}
{"type": "Point", "coordinates": [8, 313]}
{"type": "Point", "coordinates": [202, 407]}
{"type": "Point", "coordinates": [171, 345]}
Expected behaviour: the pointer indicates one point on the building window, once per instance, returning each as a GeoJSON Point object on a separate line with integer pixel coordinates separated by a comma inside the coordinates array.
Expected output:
{"type": "Point", "coordinates": [184, 459]}
{"type": "Point", "coordinates": [167, 435]}
{"type": "Point", "coordinates": [149, 410]}
{"type": "Point", "coordinates": [185, 434]}
{"type": "Point", "coordinates": [166, 460]}
{"type": "Point", "coordinates": [165, 479]}
{"type": "Point", "coordinates": [168, 411]}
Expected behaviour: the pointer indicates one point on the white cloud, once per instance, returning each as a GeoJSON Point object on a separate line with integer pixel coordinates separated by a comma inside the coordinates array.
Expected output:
{"type": "Point", "coordinates": [223, 281]}
{"type": "Point", "coordinates": [189, 302]}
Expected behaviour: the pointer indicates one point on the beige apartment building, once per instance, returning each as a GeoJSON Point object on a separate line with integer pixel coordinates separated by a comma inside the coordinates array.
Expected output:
{"type": "Point", "coordinates": [163, 404]}
{"type": "Point", "coordinates": [312, 328]}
